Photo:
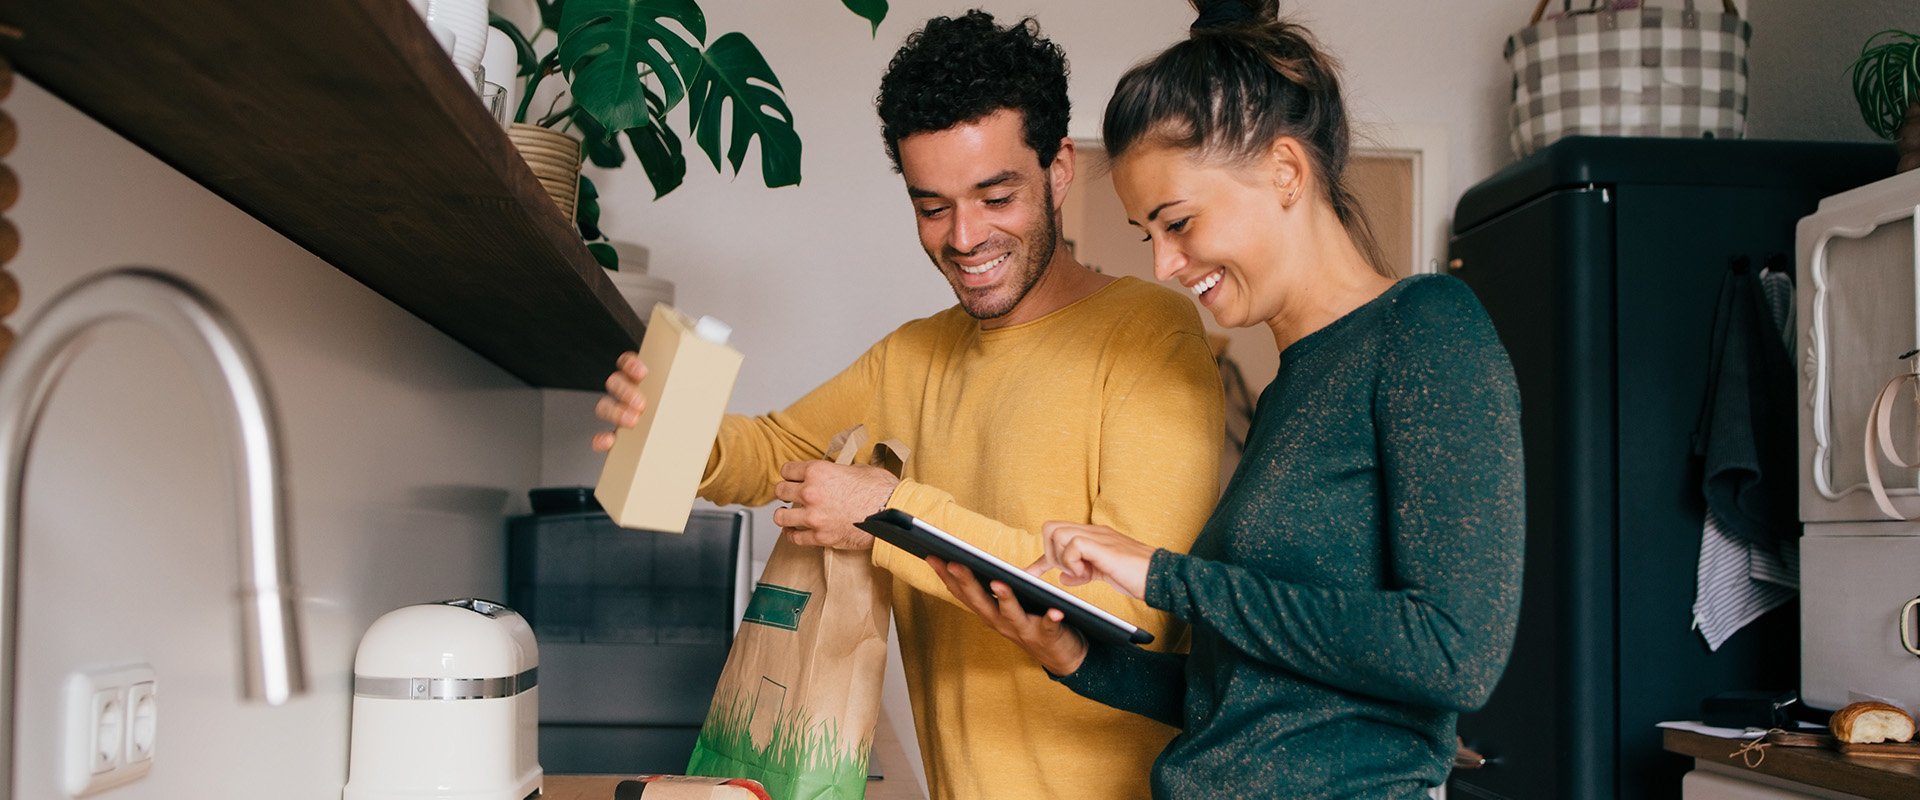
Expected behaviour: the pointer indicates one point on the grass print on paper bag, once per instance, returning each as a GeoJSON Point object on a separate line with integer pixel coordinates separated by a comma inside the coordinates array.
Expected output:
{"type": "Point", "coordinates": [798, 763]}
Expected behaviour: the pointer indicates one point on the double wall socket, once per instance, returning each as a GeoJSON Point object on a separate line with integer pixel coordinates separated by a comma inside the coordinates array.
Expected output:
{"type": "Point", "coordinates": [110, 728]}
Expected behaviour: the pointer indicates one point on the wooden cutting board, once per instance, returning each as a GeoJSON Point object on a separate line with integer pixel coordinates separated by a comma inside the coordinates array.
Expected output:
{"type": "Point", "coordinates": [1904, 751]}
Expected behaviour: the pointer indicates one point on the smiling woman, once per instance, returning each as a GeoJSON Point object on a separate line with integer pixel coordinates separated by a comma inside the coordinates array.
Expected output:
{"type": "Point", "coordinates": [1357, 585]}
{"type": "Point", "coordinates": [1399, 183]}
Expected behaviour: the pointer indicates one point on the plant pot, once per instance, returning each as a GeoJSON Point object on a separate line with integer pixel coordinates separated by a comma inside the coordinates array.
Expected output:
{"type": "Point", "coordinates": [554, 157]}
{"type": "Point", "coordinates": [1907, 141]}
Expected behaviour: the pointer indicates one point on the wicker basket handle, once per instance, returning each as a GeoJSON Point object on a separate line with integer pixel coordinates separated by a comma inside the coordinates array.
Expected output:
{"type": "Point", "coordinates": [1540, 10]}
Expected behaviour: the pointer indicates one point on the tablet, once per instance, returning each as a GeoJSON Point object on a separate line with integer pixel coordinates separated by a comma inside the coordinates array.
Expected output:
{"type": "Point", "coordinates": [915, 536]}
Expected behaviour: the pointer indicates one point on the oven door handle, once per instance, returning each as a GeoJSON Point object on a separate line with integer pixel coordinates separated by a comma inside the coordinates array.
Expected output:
{"type": "Point", "coordinates": [1906, 627]}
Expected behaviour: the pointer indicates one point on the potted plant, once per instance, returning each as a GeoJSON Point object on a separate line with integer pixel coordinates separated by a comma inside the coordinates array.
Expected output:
{"type": "Point", "coordinates": [1886, 81]}
{"type": "Point", "coordinates": [626, 69]}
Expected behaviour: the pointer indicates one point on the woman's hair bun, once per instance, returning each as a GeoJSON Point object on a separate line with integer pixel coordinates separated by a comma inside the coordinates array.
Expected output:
{"type": "Point", "coordinates": [1215, 14]}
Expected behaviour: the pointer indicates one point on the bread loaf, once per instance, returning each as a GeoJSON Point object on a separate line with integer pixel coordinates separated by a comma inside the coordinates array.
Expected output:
{"type": "Point", "coordinates": [1869, 722]}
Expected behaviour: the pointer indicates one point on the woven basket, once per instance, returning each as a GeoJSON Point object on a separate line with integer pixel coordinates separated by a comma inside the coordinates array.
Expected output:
{"type": "Point", "coordinates": [1620, 71]}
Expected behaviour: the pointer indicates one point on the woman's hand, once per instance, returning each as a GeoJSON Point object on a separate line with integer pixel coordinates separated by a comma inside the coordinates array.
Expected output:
{"type": "Point", "coordinates": [623, 403]}
{"type": "Point", "coordinates": [1057, 647]}
{"type": "Point", "coordinates": [1086, 553]}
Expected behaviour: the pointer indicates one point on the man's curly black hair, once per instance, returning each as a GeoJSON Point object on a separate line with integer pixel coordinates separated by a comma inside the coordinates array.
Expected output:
{"type": "Point", "coordinates": [956, 70]}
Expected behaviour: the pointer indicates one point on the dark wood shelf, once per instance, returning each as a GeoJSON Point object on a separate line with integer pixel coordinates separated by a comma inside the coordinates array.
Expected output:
{"type": "Point", "coordinates": [1885, 779]}
{"type": "Point", "coordinates": [343, 126]}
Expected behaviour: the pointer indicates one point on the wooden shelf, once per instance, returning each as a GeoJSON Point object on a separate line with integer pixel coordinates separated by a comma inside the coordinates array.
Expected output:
{"type": "Point", "coordinates": [343, 126]}
{"type": "Point", "coordinates": [1883, 779]}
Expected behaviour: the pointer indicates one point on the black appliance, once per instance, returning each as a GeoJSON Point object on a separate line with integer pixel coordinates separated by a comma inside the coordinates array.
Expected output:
{"type": "Point", "coordinates": [1600, 261]}
{"type": "Point", "coordinates": [633, 629]}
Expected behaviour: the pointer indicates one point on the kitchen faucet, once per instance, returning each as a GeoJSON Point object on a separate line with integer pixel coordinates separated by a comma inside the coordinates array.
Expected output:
{"type": "Point", "coordinates": [206, 336]}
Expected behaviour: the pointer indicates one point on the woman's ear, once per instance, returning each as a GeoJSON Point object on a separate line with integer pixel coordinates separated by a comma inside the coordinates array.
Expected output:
{"type": "Point", "coordinates": [1287, 164]}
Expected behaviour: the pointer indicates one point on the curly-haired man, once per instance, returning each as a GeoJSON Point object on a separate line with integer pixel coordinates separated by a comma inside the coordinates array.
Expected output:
{"type": "Point", "coordinates": [1051, 392]}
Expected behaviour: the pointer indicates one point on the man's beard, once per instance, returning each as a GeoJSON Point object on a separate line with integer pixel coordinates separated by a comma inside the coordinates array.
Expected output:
{"type": "Point", "coordinates": [1040, 242]}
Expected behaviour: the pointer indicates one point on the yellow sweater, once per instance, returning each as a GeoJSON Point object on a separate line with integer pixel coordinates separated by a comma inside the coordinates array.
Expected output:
{"type": "Point", "coordinates": [1106, 411]}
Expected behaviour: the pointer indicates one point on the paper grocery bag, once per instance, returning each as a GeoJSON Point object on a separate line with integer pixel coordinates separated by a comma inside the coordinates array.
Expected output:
{"type": "Point", "coordinates": [797, 701]}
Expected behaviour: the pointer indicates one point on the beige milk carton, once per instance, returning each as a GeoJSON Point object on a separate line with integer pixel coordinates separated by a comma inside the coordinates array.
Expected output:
{"type": "Point", "coordinates": [654, 467]}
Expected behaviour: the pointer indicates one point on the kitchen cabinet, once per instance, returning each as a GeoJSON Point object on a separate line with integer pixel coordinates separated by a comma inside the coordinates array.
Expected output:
{"type": "Point", "coordinates": [345, 128]}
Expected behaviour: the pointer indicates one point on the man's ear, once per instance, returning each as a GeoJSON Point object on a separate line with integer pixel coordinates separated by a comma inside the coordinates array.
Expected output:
{"type": "Point", "coordinates": [1060, 173]}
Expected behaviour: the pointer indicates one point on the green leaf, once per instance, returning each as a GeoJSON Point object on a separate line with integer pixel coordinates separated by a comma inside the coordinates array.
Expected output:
{"type": "Point", "coordinates": [605, 254]}
{"type": "Point", "coordinates": [1886, 80]}
{"type": "Point", "coordinates": [586, 211]}
{"type": "Point", "coordinates": [522, 49]}
{"type": "Point", "coordinates": [657, 148]}
{"type": "Point", "coordinates": [733, 73]}
{"type": "Point", "coordinates": [601, 146]}
{"type": "Point", "coordinates": [871, 10]}
{"type": "Point", "coordinates": [605, 43]}
{"type": "Point", "coordinates": [550, 13]}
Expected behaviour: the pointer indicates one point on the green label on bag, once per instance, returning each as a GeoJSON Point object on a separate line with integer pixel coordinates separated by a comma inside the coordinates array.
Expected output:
{"type": "Point", "coordinates": [777, 606]}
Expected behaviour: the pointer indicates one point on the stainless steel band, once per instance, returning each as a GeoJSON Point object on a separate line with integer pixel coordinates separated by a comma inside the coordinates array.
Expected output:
{"type": "Point", "coordinates": [444, 688]}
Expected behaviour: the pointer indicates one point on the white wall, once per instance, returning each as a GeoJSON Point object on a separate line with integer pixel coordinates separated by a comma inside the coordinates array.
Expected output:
{"type": "Point", "coordinates": [402, 452]}
{"type": "Point", "coordinates": [1799, 65]}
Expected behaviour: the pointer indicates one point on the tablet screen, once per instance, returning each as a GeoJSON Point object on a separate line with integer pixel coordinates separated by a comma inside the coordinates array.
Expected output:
{"type": "Point", "coordinates": [918, 537]}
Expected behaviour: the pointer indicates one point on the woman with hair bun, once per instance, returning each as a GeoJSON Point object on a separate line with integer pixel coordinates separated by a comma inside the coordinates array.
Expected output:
{"type": "Point", "coordinates": [1357, 585]}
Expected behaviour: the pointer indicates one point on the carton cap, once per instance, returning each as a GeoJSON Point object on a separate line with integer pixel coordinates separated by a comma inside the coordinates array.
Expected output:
{"type": "Point", "coordinates": [712, 330]}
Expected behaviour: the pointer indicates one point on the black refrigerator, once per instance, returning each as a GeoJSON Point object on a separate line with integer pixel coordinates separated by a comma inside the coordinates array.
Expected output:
{"type": "Point", "coordinates": [1600, 261]}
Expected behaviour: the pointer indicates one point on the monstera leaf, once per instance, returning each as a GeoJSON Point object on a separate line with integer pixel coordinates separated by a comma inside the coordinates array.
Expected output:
{"type": "Point", "coordinates": [605, 43]}
{"type": "Point", "coordinates": [872, 11]}
{"type": "Point", "coordinates": [655, 146]}
{"type": "Point", "coordinates": [629, 62]}
{"type": "Point", "coordinates": [733, 76]}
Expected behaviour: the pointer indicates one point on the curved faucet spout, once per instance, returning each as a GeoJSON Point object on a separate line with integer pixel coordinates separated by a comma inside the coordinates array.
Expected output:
{"type": "Point", "coordinates": [205, 335]}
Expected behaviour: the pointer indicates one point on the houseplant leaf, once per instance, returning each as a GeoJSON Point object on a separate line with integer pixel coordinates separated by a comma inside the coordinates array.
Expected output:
{"type": "Point", "coordinates": [732, 73]}
{"type": "Point", "coordinates": [604, 44]}
{"type": "Point", "coordinates": [1886, 80]}
{"type": "Point", "coordinates": [522, 49]}
{"type": "Point", "coordinates": [602, 149]}
{"type": "Point", "coordinates": [586, 211]}
{"type": "Point", "coordinates": [870, 10]}
{"type": "Point", "coordinates": [656, 146]}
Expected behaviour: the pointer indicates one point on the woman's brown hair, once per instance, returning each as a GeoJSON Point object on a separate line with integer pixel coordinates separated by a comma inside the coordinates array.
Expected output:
{"type": "Point", "coordinates": [1242, 79]}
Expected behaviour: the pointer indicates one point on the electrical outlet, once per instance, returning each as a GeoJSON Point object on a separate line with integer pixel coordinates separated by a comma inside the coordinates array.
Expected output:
{"type": "Point", "coordinates": [143, 712]}
{"type": "Point", "coordinates": [111, 715]}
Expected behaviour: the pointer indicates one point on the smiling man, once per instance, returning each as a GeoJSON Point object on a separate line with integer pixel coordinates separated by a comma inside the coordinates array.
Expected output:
{"type": "Point", "coordinates": [1050, 392]}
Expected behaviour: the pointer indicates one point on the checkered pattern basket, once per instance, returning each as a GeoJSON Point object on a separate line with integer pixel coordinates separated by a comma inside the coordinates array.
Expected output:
{"type": "Point", "coordinates": [1629, 72]}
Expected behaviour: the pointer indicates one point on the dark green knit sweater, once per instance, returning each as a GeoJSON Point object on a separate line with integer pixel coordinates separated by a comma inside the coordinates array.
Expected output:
{"type": "Point", "coordinates": [1358, 585]}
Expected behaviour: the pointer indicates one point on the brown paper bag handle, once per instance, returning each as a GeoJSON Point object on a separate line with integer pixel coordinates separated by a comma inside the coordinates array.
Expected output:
{"type": "Point", "coordinates": [890, 455]}
{"type": "Point", "coordinates": [846, 445]}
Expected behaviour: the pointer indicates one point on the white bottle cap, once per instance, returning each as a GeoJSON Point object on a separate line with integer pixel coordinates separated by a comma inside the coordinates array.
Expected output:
{"type": "Point", "coordinates": [712, 330]}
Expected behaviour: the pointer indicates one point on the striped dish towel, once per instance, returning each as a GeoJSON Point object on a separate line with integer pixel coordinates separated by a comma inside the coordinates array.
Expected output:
{"type": "Point", "coordinates": [1736, 582]}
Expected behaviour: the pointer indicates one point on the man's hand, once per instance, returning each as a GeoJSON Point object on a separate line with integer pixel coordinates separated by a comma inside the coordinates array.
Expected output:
{"type": "Point", "coordinates": [623, 403]}
{"type": "Point", "coordinates": [1057, 647]}
{"type": "Point", "coordinates": [826, 499]}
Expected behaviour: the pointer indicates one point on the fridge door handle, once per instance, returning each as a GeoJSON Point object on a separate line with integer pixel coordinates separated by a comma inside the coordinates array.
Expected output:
{"type": "Point", "coordinates": [1906, 626]}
